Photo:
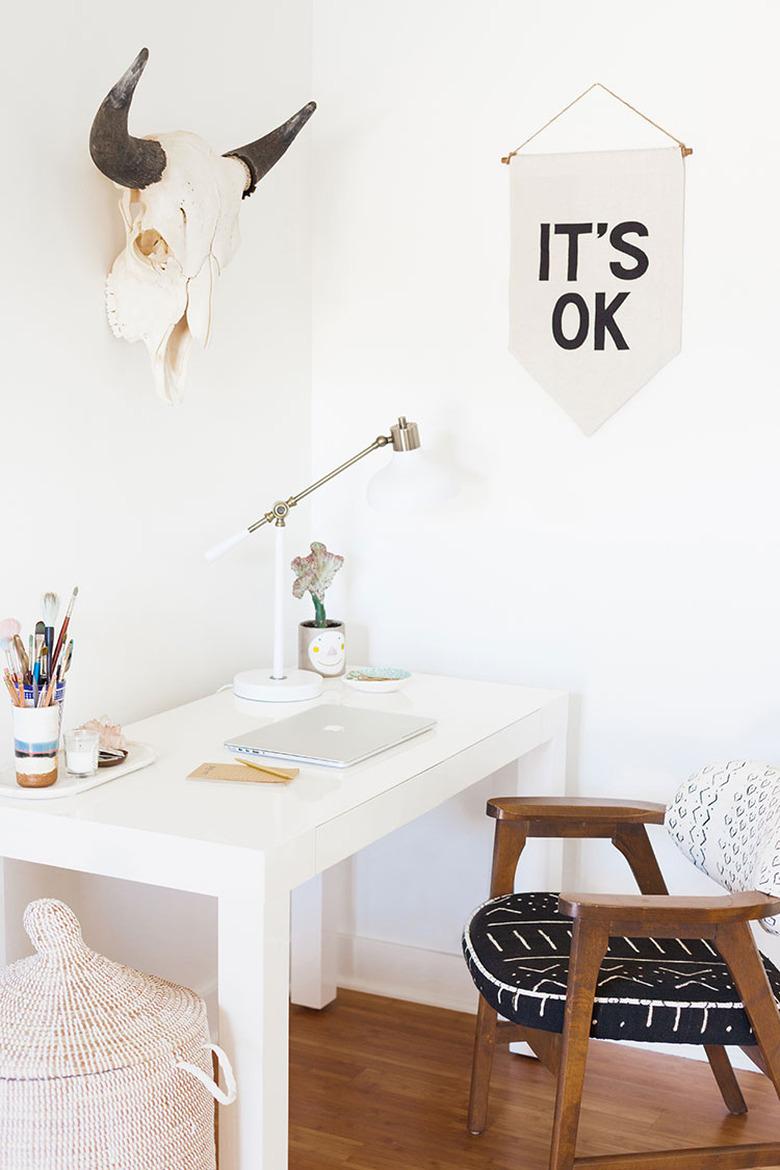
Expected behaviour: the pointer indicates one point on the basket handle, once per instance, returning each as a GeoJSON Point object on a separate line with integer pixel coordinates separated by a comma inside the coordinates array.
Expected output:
{"type": "Point", "coordinates": [223, 1097]}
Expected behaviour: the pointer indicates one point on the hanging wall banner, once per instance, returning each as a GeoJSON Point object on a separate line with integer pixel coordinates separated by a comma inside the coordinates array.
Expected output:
{"type": "Point", "coordinates": [596, 273]}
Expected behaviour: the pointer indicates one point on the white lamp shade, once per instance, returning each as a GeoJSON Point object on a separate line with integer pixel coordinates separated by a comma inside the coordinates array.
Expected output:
{"type": "Point", "coordinates": [411, 481]}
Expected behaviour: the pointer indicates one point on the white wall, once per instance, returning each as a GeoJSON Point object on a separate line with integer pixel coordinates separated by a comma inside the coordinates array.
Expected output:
{"type": "Point", "coordinates": [105, 486]}
{"type": "Point", "coordinates": [636, 569]}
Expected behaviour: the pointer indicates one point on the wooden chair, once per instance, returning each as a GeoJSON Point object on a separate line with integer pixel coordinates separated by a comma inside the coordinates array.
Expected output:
{"type": "Point", "coordinates": [562, 969]}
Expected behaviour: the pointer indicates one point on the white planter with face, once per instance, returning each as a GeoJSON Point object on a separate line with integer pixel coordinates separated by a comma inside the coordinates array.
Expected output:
{"type": "Point", "coordinates": [322, 649]}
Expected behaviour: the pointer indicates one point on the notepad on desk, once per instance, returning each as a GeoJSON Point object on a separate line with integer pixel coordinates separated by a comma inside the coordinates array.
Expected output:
{"type": "Point", "coordinates": [247, 772]}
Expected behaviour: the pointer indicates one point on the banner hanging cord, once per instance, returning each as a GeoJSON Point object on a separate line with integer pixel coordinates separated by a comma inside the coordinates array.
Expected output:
{"type": "Point", "coordinates": [686, 150]}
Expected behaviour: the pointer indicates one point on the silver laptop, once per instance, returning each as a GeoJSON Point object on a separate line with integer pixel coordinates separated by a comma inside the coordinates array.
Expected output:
{"type": "Point", "coordinates": [330, 735]}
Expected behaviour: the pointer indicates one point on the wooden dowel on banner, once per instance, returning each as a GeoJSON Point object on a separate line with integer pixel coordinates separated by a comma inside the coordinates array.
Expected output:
{"type": "Point", "coordinates": [684, 150]}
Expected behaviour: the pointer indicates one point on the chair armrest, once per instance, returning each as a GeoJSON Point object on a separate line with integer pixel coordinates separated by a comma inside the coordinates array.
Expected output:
{"type": "Point", "coordinates": [563, 808]}
{"type": "Point", "coordinates": [647, 915]}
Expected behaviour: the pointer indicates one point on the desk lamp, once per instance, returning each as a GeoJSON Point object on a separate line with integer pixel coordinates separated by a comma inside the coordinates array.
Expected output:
{"type": "Point", "coordinates": [405, 477]}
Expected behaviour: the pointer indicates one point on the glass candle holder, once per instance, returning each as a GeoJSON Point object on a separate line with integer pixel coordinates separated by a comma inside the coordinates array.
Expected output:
{"type": "Point", "coordinates": [81, 752]}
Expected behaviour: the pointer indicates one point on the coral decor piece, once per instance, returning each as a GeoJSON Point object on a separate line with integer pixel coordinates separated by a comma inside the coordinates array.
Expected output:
{"type": "Point", "coordinates": [111, 734]}
{"type": "Point", "coordinates": [180, 203]}
{"type": "Point", "coordinates": [314, 574]}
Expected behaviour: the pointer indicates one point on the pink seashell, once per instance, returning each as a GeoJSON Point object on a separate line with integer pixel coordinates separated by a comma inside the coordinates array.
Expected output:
{"type": "Point", "coordinates": [9, 627]}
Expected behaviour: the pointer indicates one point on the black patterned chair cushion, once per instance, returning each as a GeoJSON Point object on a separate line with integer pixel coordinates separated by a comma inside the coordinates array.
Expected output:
{"type": "Point", "coordinates": [673, 991]}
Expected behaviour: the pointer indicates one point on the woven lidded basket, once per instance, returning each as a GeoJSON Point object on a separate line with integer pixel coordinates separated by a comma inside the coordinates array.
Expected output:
{"type": "Point", "coordinates": [101, 1067]}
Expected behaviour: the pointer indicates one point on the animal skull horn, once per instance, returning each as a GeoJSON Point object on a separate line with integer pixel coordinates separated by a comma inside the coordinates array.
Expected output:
{"type": "Point", "coordinates": [180, 203]}
{"type": "Point", "coordinates": [137, 162]}
{"type": "Point", "coordinates": [261, 154]}
{"type": "Point", "coordinates": [130, 162]}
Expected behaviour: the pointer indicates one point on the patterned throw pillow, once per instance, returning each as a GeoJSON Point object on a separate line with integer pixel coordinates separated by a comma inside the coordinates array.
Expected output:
{"type": "Point", "coordinates": [726, 820]}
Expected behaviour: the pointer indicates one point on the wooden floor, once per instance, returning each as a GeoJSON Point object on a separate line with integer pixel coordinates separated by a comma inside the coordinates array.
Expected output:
{"type": "Point", "coordinates": [378, 1084]}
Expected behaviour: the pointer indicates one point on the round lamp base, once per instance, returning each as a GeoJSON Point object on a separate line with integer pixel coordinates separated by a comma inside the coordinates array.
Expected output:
{"type": "Point", "coordinates": [260, 687]}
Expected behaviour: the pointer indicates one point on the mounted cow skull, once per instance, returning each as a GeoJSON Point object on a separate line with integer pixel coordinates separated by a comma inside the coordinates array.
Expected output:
{"type": "Point", "coordinates": [180, 205]}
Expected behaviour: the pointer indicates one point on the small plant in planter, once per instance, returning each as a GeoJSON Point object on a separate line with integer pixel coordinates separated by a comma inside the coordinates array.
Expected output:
{"type": "Point", "coordinates": [321, 644]}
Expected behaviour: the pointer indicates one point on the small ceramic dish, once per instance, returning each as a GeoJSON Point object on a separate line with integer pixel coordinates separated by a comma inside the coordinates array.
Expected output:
{"type": "Point", "coordinates": [380, 680]}
{"type": "Point", "coordinates": [111, 757]}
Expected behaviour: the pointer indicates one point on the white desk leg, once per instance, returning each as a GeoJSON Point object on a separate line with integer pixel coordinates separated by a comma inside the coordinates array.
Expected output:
{"type": "Point", "coordinates": [254, 946]}
{"type": "Point", "coordinates": [313, 941]}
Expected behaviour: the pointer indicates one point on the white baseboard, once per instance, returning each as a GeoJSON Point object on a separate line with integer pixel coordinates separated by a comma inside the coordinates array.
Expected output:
{"type": "Point", "coordinates": [441, 980]}
{"type": "Point", "coordinates": [404, 972]}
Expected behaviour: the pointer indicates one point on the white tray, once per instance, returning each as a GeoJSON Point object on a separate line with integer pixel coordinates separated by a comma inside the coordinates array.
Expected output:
{"type": "Point", "coordinates": [139, 755]}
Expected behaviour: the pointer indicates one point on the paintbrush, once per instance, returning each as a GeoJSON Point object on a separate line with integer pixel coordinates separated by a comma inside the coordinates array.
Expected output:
{"type": "Point", "coordinates": [58, 675]}
{"type": "Point", "coordinates": [12, 691]}
{"type": "Point", "coordinates": [64, 629]}
{"type": "Point", "coordinates": [51, 606]}
{"type": "Point", "coordinates": [38, 644]}
{"type": "Point", "coordinates": [65, 664]}
{"type": "Point", "coordinates": [48, 695]}
{"type": "Point", "coordinates": [44, 680]}
{"type": "Point", "coordinates": [9, 628]}
{"type": "Point", "coordinates": [21, 654]}
{"type": "Point", "coordinates": [5, 645]}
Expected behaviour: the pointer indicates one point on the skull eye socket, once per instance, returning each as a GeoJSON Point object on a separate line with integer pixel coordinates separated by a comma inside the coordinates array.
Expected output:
{"type": "Point", "coordinates": [151, 244]}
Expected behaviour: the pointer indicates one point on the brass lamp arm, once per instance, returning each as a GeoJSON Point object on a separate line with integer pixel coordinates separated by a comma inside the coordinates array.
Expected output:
{"type": "Point", "coordinates": [404, 436]}
{"type": "Point", "coordinates": [277, 515]}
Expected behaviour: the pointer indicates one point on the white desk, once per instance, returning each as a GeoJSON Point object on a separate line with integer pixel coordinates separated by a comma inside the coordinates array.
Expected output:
{"type": "Point", "coordinates": [250, 845]}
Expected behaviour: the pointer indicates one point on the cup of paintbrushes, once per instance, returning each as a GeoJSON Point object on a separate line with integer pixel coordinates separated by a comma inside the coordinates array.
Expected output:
{"type": "Point", "coordinates": [36, 744]}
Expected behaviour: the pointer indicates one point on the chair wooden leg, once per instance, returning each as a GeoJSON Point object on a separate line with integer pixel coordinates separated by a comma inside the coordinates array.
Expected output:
{"type": "Point", "coordinates": [738, 947]}
{"type": "Point", "coordinates": [508, 844]}
{"type": "Point", "coordinates": [754, 1053]}
{"type": "Point", "coordinates": [482, 1063]}
{"type": "Point", "coordinates": [727, 1081]}
{"type": "Point", "coordinates": [546, 1046]}
{"type": "Point", "coordinates": [588, 947]}
{"type": "Point", "coordinates": [634, 843]}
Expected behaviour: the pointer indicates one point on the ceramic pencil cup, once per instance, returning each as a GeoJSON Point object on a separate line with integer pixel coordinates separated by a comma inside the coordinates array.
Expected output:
{"type": "Point", "coordinates": [36, 743]}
